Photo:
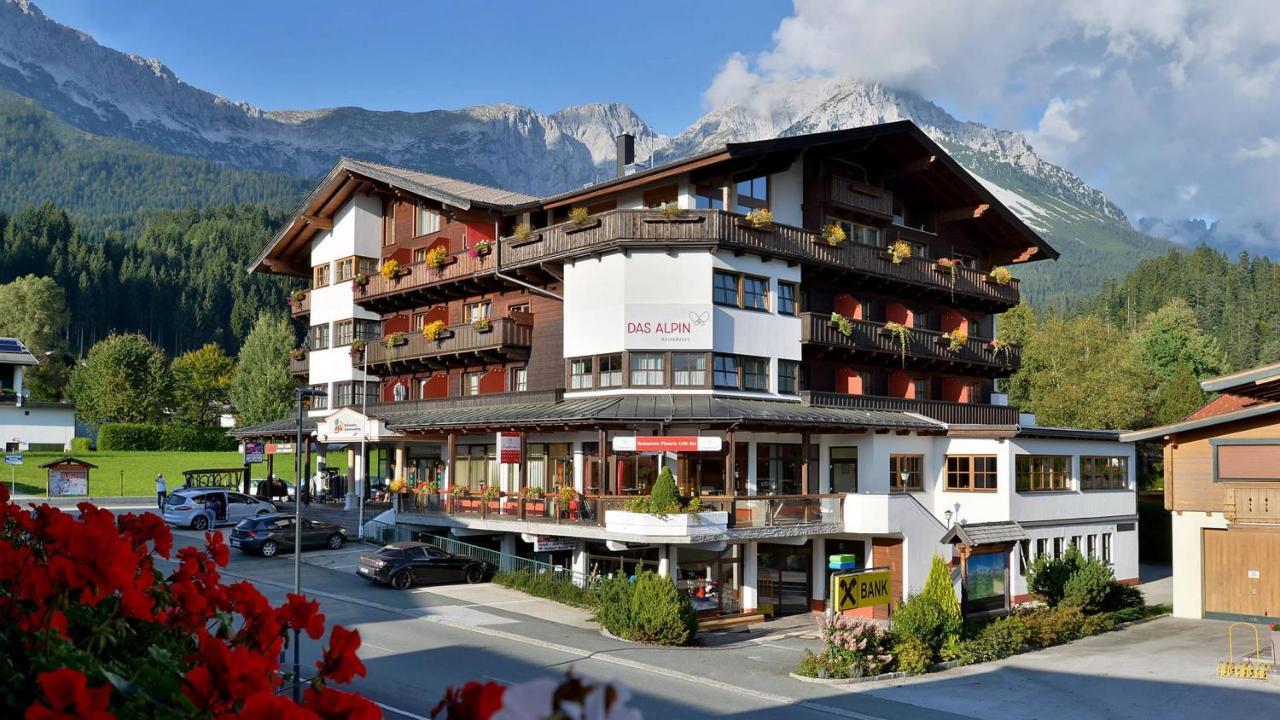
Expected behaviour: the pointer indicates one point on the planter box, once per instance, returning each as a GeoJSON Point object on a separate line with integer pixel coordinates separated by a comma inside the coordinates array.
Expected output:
{"type": "Point", "coordinates": [483, 330]}
{"type": "Point", "coordinates": [742, 223]}
{"type": "Point", "coordinates": [673, 525]}
{"type": "Point", "coordinates": [442, 335]}
{"type": "Point", "coordinates": [681, 219]}
{"type": "Point", "coordinates": [571, 229]}
{"type": "Point", "coordinates": [533, 239]}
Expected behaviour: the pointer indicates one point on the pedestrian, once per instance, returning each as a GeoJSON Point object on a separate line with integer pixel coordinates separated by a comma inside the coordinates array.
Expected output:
{"type": "Point", "coordinates": [162, 490]}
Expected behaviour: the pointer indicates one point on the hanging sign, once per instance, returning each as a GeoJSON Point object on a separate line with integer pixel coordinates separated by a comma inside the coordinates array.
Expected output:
{"type": "Point", "coordinates": [667, 443]}
{"type": "Point", "coordinates": [864, 589]}
{"type": "Point", "coordinates": [551, 543]}
{"type": "Point", "coordinates": [253, 452]}
{"type": "Point", "coordinates": [509, 448]}
{"type": "Point", "coordinates": [279, 448]}
{"type": "Point", "coordinates": [13, 459]}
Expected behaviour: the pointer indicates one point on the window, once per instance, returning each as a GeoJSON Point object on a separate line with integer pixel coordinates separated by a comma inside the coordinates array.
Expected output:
{"type": "Point", "coordinates": [1106, 548]}
{"type": "Point", "coordinates": [968, 261]}
{"type": "Point", "coordinates": [861, 234]}
{"type": "Point", "coordinates": [519, 379]}
{"type": "Point", "coordinates": [611, 371]}
{"type": "Point", "coordinates": [428, 220]}
{"type": "Point", "coordinates": [580, 374]}
{"type": "Point", "coordinates": [319, 337]}
{"type": "Point", "coordinates": [367, 266]}
{"type": "Point", "coordinates": [320, 276]}
{"type": "Point", "coordinates": [755, 373]}
{"type": "Point", "coordinates": [724, 291]}
{"type": "Point", "coordinates": [646, 369]}
{"type": "Point", "coordinates": [419, 256]}
{"type": "Point", "coordinates": [725, 372]}
{"type": "Point", "coordinates": [788, 377]}
{"type": "Point", "coordinates": [920, 389]}
{"type": "Point", "coordinates": [320, 402]}
{"type": "Point", "coordinates": [1042, 547]}
{"type": "Point", "coordinates": [709, 198]}
{"type": "Point", "coordinates": [399, 392]}
{"type": "Point", "coordinates": [419, 321]}
{"type": "Point", "coordinates": [778, 469]}
{"type": "Point", "coordinates": [472, 312]}
{"type": "Point", "coordinates": [348, 393]}
{"type": "Point", "coordinates": [658, 197]}
{"type": "Point", "coordinates": [1057, 548]}
{"type": "Point", "coordinates": [346, 269]}
{"type": "Point", "coordinates": [389, 223]}
{"type": "Point", "coordinates": [1104, 473]}
{"type": "Point", "coordinates": [471, 382]}
{"type": "Point", "coordinates": [1091, 549]}
{"type": "Point", "coordinates": [1075, 542]}
{"type": "Point", "coordinates": [906, 472]}
{"type": "Point", "coordinates": [971, 472]}
{"type": "Point", "coordinates": [753, 193]}
{"type": "Point", "coordinates": [343, 332]}
{"type": "Point", "coordinates": [519, 308]}
{"type": "Point", "coordinates": [755, 293]}
{"type": "Point", "coordinates": [1041, 473]}
{"type": "Point", "coordinates": [688, 369]}
{"type": "Point", "coordinates": [787, 299]}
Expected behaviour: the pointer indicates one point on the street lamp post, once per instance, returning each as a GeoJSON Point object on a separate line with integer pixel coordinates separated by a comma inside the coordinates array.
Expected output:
{"type": "Point", "coordinates": [302, 393]}
{"type": "Point", "coordinates": [362, 480]}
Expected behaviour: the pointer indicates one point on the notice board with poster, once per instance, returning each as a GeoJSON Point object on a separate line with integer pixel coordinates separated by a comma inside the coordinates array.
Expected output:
{"type": "Point", "coordinates": [68, 477]}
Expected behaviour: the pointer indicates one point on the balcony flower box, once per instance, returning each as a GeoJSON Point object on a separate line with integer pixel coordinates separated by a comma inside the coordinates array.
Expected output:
{"type": "Point", "coordinates": [669, 525]}
{"type": "Point", "coordinates": [758, 219]}
{"type": "Point", "coordinates": [587, 224]}
{"type": "Point", "coordinates": [482, 248]}
{"type": "Point", "coordinates": [482, 325]}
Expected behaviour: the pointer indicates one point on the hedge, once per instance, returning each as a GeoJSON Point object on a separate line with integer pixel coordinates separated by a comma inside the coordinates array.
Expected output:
{"type": "Point", "coordinates": [166, 438]}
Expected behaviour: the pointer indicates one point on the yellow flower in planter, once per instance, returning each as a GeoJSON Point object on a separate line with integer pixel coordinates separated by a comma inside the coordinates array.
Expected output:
{"type": "Point", "coordinates": [579, 215]}
{"type": "Point", "coordinates": [760, 218]}
{"type": "Point", "coordinates": [436, 257]}
{"type": "Point", "coordinates": [389, 269]}
{"type": "Point", "coordinates": [833, 234]}
{"type": "Point", "coordinates": [899, 252]}
{"type": "Point", "coordinates": [1001, 276]}
{"type": "Point", "coordinates": [432, 330]}
{"type": "Point", "coordinates": [956, 339]}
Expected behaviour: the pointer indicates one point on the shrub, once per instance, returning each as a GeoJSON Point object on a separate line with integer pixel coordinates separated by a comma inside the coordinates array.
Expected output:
{"type": "Point", "coordinates": [1096, 624]}
{"type": "Point", "coordinates": [822, 666]}
{"type": "Point", "coordinates": [913, 656]}
{"type": "Point", "coordinates": [613, 605]}
{"type": "Point", "coordinates": [932, 616]}
{"type": "Point", "coordinates": [1124, 597]}
{"type": "Point", "coordinates": [660, 612]}
{"type": "Point", "coordinates": [998, 639]}
{"type": "Point", "coordinates": [80, 445]}
{"type": "Point", "coordinates": [579, 215]}
{"type": "Point", "coordinates": [852, 647]}
{"type": "Point", "coordinates": [1089, 587]}
{"type": "Point", "coordinates": [1048, 576]}
{"type": "Point", "coordinates": [1053, 626]}
{"type": "Point", "coordinates": [547, 585]}
{"type": "Point", "coordinates": [664, 497]}
{"type": "Point", "coordinates": [172, 438]}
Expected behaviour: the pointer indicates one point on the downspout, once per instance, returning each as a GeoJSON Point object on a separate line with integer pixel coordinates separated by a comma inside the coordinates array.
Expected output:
{"type": "Point", "coordinates": [497, 264]}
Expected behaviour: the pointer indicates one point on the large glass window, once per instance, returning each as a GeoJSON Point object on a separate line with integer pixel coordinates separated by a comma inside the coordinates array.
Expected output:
{"type": "Point", "coordinates": [580, 374]}
{"type": "Point", "coordinates": [753, 193]}
{"type": "Point", "coordinates": [788, 377]}
{"type": "Point", "coordinates": [346, 269]}
{"type": "Point", "coordinates": [755, 373]}
{"type": "Point", "coordinates": [755, 293]}
{"type": "Point", "coordinates": [787, 299]}
{"type": "Point", "coordinates": [861, 234]}
{"type": "Point", "coordinates": [1039, 473]}
{"type": "Point", "coordinates": [971, 472]}
{"type": "Point", "coordinates": [725, 372]}
{"type": "Point", "coordinates": [1104, 473]}
{"type": "Point", "coordinates": [472, 312]}
{"type": "Point", "coordinates": [519, 379]}
{"type": "Point", "coordinates": [343, 332]}
{"type": "Point", "coordinates": [709, 198]}
{"type": "Point", "coordinates": [647, 369]}
{"type": "Point", "coordinates": [471, 382]}
{"type": "Point", "coordinates": [320, 402]}
{"type": "Point", "coordinates": [906, 473]}
{"type": "Point", "coordinates": [778, 469]}
{"type": "Point", "coordinates": [368, 330]}
{"type": "Point", "coordinates": [688, 369]}
{"type": "Point", "coordinates": [319, 339]}
{"type": "Point", "coordinates": [844, 470]}
{"type": "Point", "coordinates": [724, 291]}
{"type": "Point", "coordinates": [611, 371]}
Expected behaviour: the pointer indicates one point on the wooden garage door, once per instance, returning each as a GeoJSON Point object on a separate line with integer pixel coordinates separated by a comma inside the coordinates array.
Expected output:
{"type": "Point", "coordinates": [1242, 572]}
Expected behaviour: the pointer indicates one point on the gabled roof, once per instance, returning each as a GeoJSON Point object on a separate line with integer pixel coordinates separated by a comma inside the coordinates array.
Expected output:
{"type": "Point", "coordinates": [13, 352]}
{"type": "Point", "coordinates": [990, 533]}
{"type": "Point", "coordinates": [451, 191]}
{"type": "Point", "coordinates": [1201, 423]}
{"type": "Point", "coordinates": [1259, 382]}
{"type": "Point", "coordinates": [68, 460]}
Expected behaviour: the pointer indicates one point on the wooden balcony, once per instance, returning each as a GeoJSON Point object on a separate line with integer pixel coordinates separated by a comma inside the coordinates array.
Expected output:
{"type": "Point", "coordinates": [645, 229]}
{"type": "Point", "coordinates": [924, 349]}
{"type": "Point", "coordinates": [300, 367]}
{"type": "Point", "coordinates": [300, 307]}
{"type": "Point", "coordinates": [1253, 505]}
{"type": "Point", "coordinates": [849, 194]}
{"type": "Point", "coordinates": [951, 413]}
{"type": "Point", "coordinates": [507, 339]}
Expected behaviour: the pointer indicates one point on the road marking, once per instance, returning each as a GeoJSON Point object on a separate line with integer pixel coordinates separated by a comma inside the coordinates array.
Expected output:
{"type": "Point", "coordinates": [398, 711]}
{"type": "Point", "coordinates": [575, 652]}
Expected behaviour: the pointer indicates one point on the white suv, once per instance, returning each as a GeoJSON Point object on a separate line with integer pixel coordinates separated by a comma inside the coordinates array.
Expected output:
{"type": "Point", "coordinates": [186, 507]}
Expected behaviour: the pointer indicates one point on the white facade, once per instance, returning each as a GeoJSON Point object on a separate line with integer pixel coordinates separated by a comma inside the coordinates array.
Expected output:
{"type": "Point", "coordinates": [41, 424]}
{"type": "Point", "coordinates": [1188, 559]}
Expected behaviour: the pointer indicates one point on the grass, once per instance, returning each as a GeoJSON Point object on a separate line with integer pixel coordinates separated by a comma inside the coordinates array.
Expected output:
{"type": "Point", "coordinates": [134, 473]}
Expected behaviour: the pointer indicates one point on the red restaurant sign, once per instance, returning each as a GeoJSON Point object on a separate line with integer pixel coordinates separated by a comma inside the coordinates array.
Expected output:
{"type": "Point", "coordinates": [667, 443]}
{"type": "Point", "coordinates": [509, 448]}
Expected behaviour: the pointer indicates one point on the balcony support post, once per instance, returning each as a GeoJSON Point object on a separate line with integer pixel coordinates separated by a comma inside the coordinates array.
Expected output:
{"type": "Point", "coordinates": [807, 479]}
{"type": "Point", "coordinates": [602, 453]}
{"type": "Point", "coordinates": [730, 468]}
{"type": "Point", "coordinates": [750, 575]}
{"type": "Point", "coordinates": [451, 445]}
{"type": "Point", "coordinates": [523, 479]}
{"type": "Point", "coordinates": [818, 573]}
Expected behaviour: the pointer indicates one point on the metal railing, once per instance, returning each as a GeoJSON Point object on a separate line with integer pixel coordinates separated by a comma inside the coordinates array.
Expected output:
{"type": "Point", "coordinates": [461, 342]}
{"type": "Point", "coordinates": [776, 510]}
{"type": "Point", "coordinates": [918, 344]}
{"type": "Point", "coordinates": [505, 562]}
{"type": "Point", "coordinates": [952, 413]}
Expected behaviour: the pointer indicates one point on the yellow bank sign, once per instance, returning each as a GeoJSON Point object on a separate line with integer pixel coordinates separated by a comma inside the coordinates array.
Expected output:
{"type": "Point", "coordinates": [863, 589]}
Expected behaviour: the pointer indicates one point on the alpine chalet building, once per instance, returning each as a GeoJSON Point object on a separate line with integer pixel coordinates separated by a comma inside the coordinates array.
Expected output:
{"type": "Point", "coordinates": [803, 330]}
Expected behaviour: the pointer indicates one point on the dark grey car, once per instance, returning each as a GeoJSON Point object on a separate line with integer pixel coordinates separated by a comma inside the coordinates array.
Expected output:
{"type": "Point", "coordinates": [267, 535]}
{"type": "Point", "coordinates": [405, 564]}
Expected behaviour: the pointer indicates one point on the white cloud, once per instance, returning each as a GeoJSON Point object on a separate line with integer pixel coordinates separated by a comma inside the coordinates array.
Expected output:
{"type": "Point", "coordinates": [1148, 99]}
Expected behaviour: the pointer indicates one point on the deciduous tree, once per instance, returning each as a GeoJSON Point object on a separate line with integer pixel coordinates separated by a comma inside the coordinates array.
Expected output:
{"type": "Point", "coordinates": [34, 310]}
{"type": "Point", "coordinates": [262, 388]}
{"type": "Point", "coordinates": [201, 378]}
{"type": "Point", "coordinates": [124, 379]}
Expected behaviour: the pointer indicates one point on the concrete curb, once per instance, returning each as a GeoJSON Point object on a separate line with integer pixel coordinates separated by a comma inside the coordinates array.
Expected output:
{"type": "Point", "coordinates": [848, 681]}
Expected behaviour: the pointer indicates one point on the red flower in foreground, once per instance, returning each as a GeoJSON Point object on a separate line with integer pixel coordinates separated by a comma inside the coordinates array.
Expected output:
{"type": "Point", "coordinates": [473, 701]}
{"type": "Point", "coordinates": [331, 704]}
{"type": "Point", "coordinates": [340, 663]}
{"type": "Point", "coordinates": [67, 696]}
{"type": "Point", "coordinates": [302, 614]}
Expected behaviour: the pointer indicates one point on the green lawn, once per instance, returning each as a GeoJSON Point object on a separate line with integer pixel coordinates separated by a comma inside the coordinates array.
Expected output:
{"type": "Point", "coordinates": [134, 473]}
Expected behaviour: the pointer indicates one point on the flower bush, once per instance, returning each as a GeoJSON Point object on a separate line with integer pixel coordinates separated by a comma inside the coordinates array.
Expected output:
{"type": "Point", "coordinates": [852, 648]}
{"type": "Point", "coordinates": [834, 234]}
{"type": "Point", "coordinates": [1001, 276]}
{"type": "Point", "coordinates": [956, 340]}
{"type": "Point", "coordinates": [523, 232]}
{"type": "Point", "coordinates": [93, 628]}
{"type": "Point", "coordinates": [398, 485]}
{"type": "Point", "coordinates": [433, 330]}
{"type": "Point", "coordinates": [899, 252]}
{"type": "Point", "coordinates": [436, 258]}
{"type": "Point", "coordinates": [579, 215]}
{"type": "Point", "coordinates": [760, 218]}
{"type": "Point", "coordinates": [390, 268]}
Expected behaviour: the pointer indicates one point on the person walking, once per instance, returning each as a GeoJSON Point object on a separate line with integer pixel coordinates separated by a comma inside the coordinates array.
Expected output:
{"type": "Point", "coordinates": [162, 490]}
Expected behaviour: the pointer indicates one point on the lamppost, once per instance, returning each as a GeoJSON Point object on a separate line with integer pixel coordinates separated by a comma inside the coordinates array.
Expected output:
{"type": "Point", "coordinates": [301, 393]}
{"type": "Point", "coordinates": [364, 458]}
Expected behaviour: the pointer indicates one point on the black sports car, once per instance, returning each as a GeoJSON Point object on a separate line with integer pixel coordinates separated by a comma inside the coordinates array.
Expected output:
{"type": "Point", "coordinates": [269, 534]}
{"type": "Point", "coordinates": [404, 564]}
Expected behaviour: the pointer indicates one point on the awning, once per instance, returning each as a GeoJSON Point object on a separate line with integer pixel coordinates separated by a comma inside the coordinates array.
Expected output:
{"type": "Point", "coordinates": [992, 533]}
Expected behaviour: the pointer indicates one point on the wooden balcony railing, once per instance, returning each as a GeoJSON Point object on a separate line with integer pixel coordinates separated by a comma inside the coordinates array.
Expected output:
{"type": "Point", "coordinates": [1253, 505]}
{"type": "Point", "coordinates": [951, 413]}
{"type": "Point", "coordinates": [301, 305]}
{"type": "Point", "coordinates": [462, 344]}
{"type": "Point", "coordinates": [921, 345]}
{"type": "Point", "coordinates": [858, 196]}
{"type": "Point", "coordinates": [299, 366]}
{"type": "Point", "coordinates": [622, 229]}
{"type": "Point", "coordinates": [743, 512]}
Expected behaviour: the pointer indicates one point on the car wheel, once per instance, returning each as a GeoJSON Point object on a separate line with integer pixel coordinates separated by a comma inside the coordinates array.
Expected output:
{"type": "Point", "coordinates": [336, 541]}
{"type": "Point", "coordinates": [402, 580]}
{"type": "Point", "coordinates": [200, 523]}
{"type": "Point", "coordinates": [264, 511]}
{"type": "Point", "coordinates": [270, 548]}
{"type": "Point", "coordinates": [475, 574]}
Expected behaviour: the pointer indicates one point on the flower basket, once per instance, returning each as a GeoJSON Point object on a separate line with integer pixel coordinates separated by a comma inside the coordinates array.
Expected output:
{"type": "Point", "coordinates": [438, 257]}
{"type": "Point", "coordinates": [899, 332]}
{"type": "Point", "coordinates": [296, 298]}
{"type": "Point", "coordinates": [950, 267]}
{"type": "Point", "coordinates": [436, 330]}
{"type": "Point", "coordinates": [842, 324]}
{"type": "Point", "coordinates": [357, 348]}
{"type": "Point", "coordinates": [395, 339]}
{"type": "Point", "coordinates": [390, 269]}
{"type": "Point", "coordinates": [481, 249]}
{"type": "Point", "coordinates": [579, 216]}
{"type": "Point", "coordinates": [482, 325]}
{"type": "Point", "coordinates": [524, 235]}
{"type": "Point", "coordinates": [1000, 276]}
{"type": "Point", "coordinates": [955, 340]}
{"type": "Point", "coordinates": [758, 219]}
{"type": "Point", "coordinates": [360, 280]}
{"type": "Point", "coordinates": [298, 354]}
{"type": "Point", "coordinates": [833, 235]}
{"type": "Point", "coordinates": [899, 252]}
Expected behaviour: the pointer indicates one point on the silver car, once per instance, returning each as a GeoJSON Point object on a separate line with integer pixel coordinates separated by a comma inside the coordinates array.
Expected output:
{"type": "Point", "coordinates": [189, 507]}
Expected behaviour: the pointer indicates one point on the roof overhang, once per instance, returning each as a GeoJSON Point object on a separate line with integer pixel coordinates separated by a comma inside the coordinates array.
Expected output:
{"type": "Point", "coordinates": [1260, 382]}
{"type": "Point", "coordinates": [990, 533]}
{"type": "Point", "coordinates": [1200, 424]}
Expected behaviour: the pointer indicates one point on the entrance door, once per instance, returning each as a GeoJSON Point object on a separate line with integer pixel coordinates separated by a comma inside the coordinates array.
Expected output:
{"type": "Point", "coordinates": [1242, 572]}
{"type": "Point", "coordinates": [844, 469]}
{"type": "Point", "coordinates": [783, 576]}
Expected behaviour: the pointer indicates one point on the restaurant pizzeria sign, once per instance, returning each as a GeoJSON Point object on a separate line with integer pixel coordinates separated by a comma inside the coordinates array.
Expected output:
{"type": "Point", "coordinates": [667, 443]}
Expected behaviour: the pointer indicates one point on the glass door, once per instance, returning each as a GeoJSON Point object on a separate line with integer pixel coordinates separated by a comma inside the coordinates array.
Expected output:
{"type": "Point", "coordinates": [844, 469]}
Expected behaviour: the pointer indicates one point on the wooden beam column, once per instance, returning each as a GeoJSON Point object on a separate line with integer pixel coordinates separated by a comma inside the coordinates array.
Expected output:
{"type": "Point", "coordinates": [602, 454]}
{"type": "Point", "coordinates": [523, 469]}
{"type": "Point", "coordinates": [807, 480]}
{"type": "Point", "coordinates": [451, 447]}
{"type": "Point", "coordinates": [730, 467]}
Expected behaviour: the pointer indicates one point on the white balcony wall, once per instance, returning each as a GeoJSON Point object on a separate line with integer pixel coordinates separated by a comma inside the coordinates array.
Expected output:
{"type": "Point", "coordinates": [786, 195]}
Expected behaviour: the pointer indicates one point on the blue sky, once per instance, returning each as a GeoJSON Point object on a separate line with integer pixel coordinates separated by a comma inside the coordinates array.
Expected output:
{"type": "Point", "coordinates": [286, 54]}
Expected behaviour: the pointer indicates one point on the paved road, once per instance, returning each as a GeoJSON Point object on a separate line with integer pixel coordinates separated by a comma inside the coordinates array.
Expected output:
{"type": "Point", "coordinates": [416, 643]}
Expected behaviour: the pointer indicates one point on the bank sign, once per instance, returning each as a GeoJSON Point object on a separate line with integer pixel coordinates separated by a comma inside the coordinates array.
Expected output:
{"type": "Point", "coordinates": [864, 589]}
{"type": "Point", "coordinates": [652, 326]}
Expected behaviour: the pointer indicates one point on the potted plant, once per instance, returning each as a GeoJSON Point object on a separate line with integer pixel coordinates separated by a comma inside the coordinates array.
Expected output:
{"type": "Point", "coordinates": [437, 258]}
{"type": "Point", "coordinates": [899, 252]}
{"type": "Point", "coordinates": [579, 216]}
{"type": "Point", "coordinates": [435, 330]}
{"type": "Point", "coordinates": [397, 486]}
{"type": "Point", "coordinates": [759, 219]}
{"type": "Point", "coordinates": [523, 233]}
{"type": "Point", "coordinates": [395, 339]}
{"type": "Point", "coordinates": [842, 324]}
{"type": "Point", "coordinates": [999, 347]}
{"type": "Point", "coordinates": [296, 298]}
{"type": "Point", "coordinates": [360, 280]}
{"type": "Point", "coordinates": [482, 324]}
{"type": "Point", "coordinates": [949, 266]}
{"type": "Point", "coordinates": [357, 348]}
{"type": "Point", "coordinates": [298, 354]}
{"type": "Point", "coordinates": [671, 211]}
{"type": "Point", "coordinates": [955, 340]}
{"type": "Point", "coordinates": [567, 495]}
{"type": "Point", "coordinates": [390, 269]}
{"type": "Point", "coordinates": [480, 249]}
{"type": "Point", "coordinates": [902, 334]}
{"type": "Point", "coordinates": [833, 234]}
{"type": "Point", "coordinates": [1000, 276]}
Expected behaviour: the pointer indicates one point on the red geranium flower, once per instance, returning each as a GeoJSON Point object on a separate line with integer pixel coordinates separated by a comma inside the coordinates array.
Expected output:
{"type": "Point", "coordinates": [332, 704]}
{"type": "Point", "coordinates": [473, 701]}
{"type": "Point", "coordinates": [340, 663]}
{"type": "Point", "coordinates": [300, 613]}
{"type": "Point", "coordinates": [68, 697]}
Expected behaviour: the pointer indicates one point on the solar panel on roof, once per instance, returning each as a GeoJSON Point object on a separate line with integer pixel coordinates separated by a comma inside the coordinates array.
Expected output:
{"type": "Point", "coordinates": [11, 345]}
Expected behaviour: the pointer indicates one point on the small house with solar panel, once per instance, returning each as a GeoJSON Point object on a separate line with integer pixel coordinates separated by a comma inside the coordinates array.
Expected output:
{"type": "Point", "coordinates": [26, 424]}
